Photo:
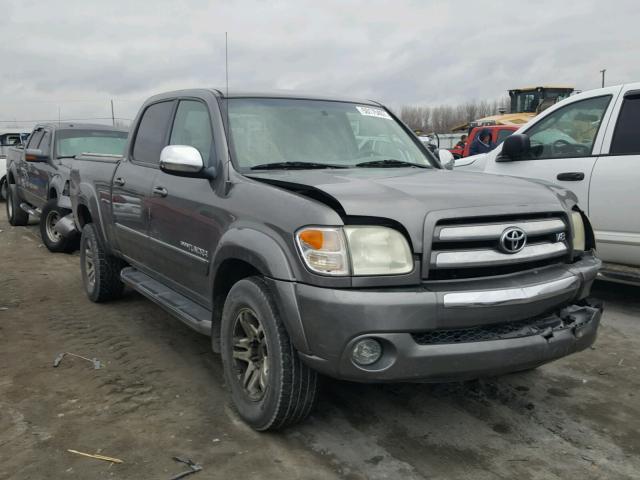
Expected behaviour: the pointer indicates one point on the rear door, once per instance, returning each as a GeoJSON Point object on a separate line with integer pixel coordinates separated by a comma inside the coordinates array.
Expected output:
{"type": "Point", "coordinates": [565, 144]}
{"type": "Point", "coordinates": [40, 173]}
{"type": "Point", "coordinates": [132, 181]}
{"type": "Point", "coordinates": [23, 168]}
{"type": "Point", "coordinates": [614, 196]}
{"type": "Point", "coordinates": [185, 226]}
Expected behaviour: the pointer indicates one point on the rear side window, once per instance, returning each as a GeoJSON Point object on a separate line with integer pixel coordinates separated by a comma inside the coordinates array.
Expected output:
{"type": "Point", "coordinates": [626, 138]}
{"type": "Point", "coordinates": [192, 127]}
{"type": "Point", "coordinates": [152, 133]}
{"type": "Point", "coordinates": [502, 135]}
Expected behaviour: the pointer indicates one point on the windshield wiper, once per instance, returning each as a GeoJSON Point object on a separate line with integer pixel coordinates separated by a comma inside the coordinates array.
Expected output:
{"type": "Point", "coordinates": [65, 156]}
{"type": "Point", "coordinates": [390, 162]}
{"type": "Point", "coordinates": [294, 165]}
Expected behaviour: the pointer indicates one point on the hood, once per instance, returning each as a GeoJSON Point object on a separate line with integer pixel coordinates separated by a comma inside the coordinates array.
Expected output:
{"type": "Point", "coordinates": [407, 195]}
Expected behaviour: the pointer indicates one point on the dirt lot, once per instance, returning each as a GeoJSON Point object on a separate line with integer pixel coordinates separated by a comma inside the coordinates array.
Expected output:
{"type": "Point", "coordinates": [161, 394]}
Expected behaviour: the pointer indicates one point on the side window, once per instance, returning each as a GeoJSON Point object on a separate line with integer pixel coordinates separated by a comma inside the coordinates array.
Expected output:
{"type": "Point", "coordinates": [45, 143]}
{"type": "Point", "coordinates": [626, 138]}
{"type": "Point", "coordinates": [568, 132]}
{"type": "Point", "coordinates": [192, 127]}
{"type": "Point", "coordinates": [35, 138]}
{"type": "Point", "coordinates": [151, 134]}
{"type": "Point", "coordinates": [502, 135]}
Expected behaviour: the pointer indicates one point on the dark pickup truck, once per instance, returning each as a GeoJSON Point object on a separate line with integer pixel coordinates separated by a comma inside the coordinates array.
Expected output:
{"type": "Point", "coordinates": [38, 176]}
{"type": "Point", "coordinates": [268, 223]}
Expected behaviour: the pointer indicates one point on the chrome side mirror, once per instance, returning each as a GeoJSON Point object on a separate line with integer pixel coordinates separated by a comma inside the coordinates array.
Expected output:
{"type": "Point", "coordinates": [446, 158]}
{"type": "Point", "coordinates": [183, 161]}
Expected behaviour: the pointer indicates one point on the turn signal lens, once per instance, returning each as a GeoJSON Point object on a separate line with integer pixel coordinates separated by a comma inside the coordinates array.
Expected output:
{"type": "Point", "coordinates": [324, 250]}
{"type": "Point", "coordinates": [578, 231]}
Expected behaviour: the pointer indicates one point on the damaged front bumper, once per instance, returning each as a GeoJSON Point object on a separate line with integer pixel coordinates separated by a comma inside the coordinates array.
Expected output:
{"type": "Point", "coordinates": [445, 331]}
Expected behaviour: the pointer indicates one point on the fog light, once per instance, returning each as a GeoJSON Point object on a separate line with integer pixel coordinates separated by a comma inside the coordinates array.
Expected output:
{"type": "Point", "coordinates": [367, 351]}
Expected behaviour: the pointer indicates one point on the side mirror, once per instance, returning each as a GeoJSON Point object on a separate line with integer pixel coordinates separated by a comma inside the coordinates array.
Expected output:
{"type": "Point", "coordinates": [184, 161]}
{"type": "Point", "coordinates": [514, 147]}
{"type": "Point", "coordinates": [446, 159]}
{"type": "Point", "coordinates": [35, 155]}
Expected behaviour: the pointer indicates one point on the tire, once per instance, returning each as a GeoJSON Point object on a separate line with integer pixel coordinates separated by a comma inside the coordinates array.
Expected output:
{"type": "Point", "coordinates": [16, 216]}
{"type": "Point", "coordinates": [3, 188]}
{"type": "Point", "coordinates": [100, 271]}
{"type": "Point", "coordinates": [51, 214]}
{"type": "Point", "coordinates": [284, 392]}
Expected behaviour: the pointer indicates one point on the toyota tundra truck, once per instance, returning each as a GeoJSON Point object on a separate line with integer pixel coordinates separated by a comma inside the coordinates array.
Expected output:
{"type": "Point", "coordinates": [37, 178]}
{"type": "Point", "coordinates": [265, 222]}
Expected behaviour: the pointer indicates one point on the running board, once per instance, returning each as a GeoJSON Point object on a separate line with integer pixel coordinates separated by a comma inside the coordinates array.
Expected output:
{"type": "Point", "coordinates": [176, 304]}
{"type": "Point", "coordinates": [620, 273]}
{"type": "Point", "coordinates": [30, 210]}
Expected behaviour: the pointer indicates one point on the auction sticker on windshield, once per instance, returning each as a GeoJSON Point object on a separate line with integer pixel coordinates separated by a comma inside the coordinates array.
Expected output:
{"type": "Point", "coordinates": [373, 112]}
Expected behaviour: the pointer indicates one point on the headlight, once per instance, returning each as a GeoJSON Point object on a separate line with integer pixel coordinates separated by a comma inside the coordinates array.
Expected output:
{"type": "Point", "coordinates": [356, 250]}
{"type": "Point", "coordinates": [578, 231]}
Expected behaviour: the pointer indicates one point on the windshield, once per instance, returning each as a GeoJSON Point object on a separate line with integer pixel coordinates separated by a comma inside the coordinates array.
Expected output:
{"type": "Point", "coordinates": [267, 131]}
{"type": "Point", "coordinates": [70, 143]}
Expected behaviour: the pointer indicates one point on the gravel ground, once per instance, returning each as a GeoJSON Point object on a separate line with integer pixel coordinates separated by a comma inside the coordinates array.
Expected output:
{"type": "Point", "coordinates": [161, 394]}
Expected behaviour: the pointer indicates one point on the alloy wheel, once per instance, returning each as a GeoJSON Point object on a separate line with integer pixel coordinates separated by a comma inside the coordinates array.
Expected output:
{"type": "Point", "coordinates": [250, 354]}
{"type": "Point", "coordinates": [89, 265]}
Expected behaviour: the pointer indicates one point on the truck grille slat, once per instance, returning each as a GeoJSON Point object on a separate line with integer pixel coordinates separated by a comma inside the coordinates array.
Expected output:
{"type": "Point", "coordinates": [490, 231]}
{"type": "Point", "coordinates": [483, 258]}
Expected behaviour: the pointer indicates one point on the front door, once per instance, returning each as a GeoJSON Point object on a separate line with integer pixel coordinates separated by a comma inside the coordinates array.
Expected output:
{"type": "Point", "coordinates": [132, 182]}
{"type": "Point", "coordinates": [183, 228]}
{"type": "Point", "coordinates": [614, 196]}
{"type": "Point", "coordinates": [564, 146]}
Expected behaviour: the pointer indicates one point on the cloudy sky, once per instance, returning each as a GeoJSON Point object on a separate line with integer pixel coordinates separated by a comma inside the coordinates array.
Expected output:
{"type": "Point", "coordinates": [72, 57]}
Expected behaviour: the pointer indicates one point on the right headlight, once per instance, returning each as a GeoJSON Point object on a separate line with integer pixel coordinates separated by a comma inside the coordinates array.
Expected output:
{"type": "Point", "coordinates": [578, 231]}
{"type": "Point", "coordinates": [355, 250]}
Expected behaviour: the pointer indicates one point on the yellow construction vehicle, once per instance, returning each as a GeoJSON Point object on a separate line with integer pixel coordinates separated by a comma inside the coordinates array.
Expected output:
{"type": "Point", "coordinates": [526, 103]}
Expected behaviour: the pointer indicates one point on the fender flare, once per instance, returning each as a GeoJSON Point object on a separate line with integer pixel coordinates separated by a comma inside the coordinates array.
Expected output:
{"type": "Point", "coordinates": [256, 248]}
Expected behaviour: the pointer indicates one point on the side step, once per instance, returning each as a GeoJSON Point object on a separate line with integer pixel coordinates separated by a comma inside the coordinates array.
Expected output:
{"type": "Point", "coordinates": [30, 210]}
{"type": "Point", "coordinates": [176, 304]}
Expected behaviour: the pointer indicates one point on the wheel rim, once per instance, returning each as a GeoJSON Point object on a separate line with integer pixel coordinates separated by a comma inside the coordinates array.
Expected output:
{"type": "Point", "coordinates": [89, 265]}
{"type": "Point", "coordinates": [250, 354]}
{"type": "Point", "coordinates": [50, 223]}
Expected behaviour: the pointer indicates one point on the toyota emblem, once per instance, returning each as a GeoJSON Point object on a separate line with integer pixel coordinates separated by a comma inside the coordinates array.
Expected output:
{"type": "Point", "coordinates": [513, 240]}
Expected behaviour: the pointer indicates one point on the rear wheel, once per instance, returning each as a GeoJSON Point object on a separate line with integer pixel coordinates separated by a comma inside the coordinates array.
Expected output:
{"type": "Point", "coordinates": [54, 241]}
{"type": "Point", "coordinates": [100, 271]}
{"type": "Point", "coordinates": [3, 188]}
{"type": "Point", "coordinates": [270, 387]}
{"type": "Point", "coordinates": [16, 216]}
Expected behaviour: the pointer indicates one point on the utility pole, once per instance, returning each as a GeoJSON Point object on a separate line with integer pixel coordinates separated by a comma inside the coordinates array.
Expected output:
{"type": "Point", "coordinates": [603, 71]}
{"type": "Point", "coordinates": [58, 115]}
{"type": "Point", "coordinates": [113, 117]}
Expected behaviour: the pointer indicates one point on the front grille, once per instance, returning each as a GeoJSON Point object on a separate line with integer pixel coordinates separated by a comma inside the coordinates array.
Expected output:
{"type": "Point", "coordinates": [500, 331]}
{"type": "Point", "coordinates": [470, 247]}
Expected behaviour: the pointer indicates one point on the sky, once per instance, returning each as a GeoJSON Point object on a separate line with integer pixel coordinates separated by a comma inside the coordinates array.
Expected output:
{"type": "Point", "coordinates": [68, 59]}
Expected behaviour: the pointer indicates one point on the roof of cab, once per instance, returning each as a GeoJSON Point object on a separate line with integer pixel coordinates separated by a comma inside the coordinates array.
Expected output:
{"type": "Point", "coordinates": [291, 94]}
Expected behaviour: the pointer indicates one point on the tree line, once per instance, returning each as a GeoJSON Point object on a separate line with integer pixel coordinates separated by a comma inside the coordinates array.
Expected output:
{"type": "Point", "coordinates": [443, 118]}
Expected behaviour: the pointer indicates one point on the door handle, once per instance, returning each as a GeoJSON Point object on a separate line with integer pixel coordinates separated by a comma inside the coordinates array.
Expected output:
{"type": "Point", "coordinates": [160, 191]}
{"type": "Point", "coordinates": [571, 176]}
{"type": "Point", "coordinates": [119, 181]}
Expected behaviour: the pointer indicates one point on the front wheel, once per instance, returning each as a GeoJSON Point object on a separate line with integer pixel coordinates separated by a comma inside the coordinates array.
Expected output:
{"type": "Point", "coordinates": [100, 271]}
{"type": "Point", "coordinates": [270, 386]}
{"type": "Point", "coordinates": [54, 241]}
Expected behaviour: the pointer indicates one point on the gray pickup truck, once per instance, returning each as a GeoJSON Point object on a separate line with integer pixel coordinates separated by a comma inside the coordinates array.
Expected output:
{"type": "Point", "coordinates": [38, 176]}
{"type": "Point", "coordinates": [310, 235]}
